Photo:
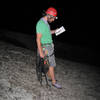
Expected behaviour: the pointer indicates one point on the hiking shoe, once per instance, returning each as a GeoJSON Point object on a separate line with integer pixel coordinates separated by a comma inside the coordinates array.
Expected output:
{"type": "Point", "coordinates": [57, 86]}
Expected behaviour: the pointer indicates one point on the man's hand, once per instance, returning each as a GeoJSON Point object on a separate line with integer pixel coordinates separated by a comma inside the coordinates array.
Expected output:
{"type": "Point", "coordinates": [45, 54]}
{"type": "Point", "coordinates": [41, 55]}
{"type": "Point", "coordinates": [53, 31]}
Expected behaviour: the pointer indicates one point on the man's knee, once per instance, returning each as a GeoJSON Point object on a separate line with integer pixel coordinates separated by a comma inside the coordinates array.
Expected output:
{"type": "Point", "coordinates": [51, 68]}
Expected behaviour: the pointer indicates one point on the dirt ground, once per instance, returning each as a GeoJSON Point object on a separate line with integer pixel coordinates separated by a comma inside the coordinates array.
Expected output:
{"type": "Point", "coordinates": [18, 80]}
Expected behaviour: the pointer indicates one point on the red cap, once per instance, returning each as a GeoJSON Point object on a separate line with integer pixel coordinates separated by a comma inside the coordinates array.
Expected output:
{"type": "Point", "coordinates": [51, 11]}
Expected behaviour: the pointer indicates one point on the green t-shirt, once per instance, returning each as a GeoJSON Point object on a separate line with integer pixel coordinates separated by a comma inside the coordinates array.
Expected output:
{"type": "Point", "coordinates": [44, 29]}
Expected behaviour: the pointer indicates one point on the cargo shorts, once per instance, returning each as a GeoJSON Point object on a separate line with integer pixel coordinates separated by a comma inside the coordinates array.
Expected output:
{"type": "Point", "coordinates": [49, 48]}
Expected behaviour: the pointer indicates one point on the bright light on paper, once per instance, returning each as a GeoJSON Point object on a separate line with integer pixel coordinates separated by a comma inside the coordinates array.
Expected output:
{"type": "Point", "coordinates": [60, 30]}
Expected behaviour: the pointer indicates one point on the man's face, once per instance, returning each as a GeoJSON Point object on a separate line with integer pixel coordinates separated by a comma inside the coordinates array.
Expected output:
{"type": "Point", "coordinates": [50, 19]}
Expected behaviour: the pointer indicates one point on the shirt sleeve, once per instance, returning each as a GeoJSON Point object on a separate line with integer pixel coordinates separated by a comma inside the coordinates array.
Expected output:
{"type": "Point", "coordinates": [40, 28]}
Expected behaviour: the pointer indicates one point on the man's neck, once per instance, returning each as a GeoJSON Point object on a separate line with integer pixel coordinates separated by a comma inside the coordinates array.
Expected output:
{"type": "Point", "coordinates": [45, 18]}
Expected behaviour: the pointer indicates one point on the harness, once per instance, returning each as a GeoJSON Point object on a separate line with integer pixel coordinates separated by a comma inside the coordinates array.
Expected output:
{"type": "Point", "coordinates": [44, 47]}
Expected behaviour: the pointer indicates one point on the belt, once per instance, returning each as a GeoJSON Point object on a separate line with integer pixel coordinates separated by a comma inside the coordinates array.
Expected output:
{"type": "Point", "coordinates": [46, 44]}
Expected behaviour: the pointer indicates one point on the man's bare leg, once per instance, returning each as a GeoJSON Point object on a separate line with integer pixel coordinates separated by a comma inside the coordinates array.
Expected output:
{"type": "Point", "coordinates": [51, 74]}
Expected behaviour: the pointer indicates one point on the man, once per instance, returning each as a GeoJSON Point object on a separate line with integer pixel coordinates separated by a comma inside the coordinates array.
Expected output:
{"type": "Point", "coordinates": [45, 42]}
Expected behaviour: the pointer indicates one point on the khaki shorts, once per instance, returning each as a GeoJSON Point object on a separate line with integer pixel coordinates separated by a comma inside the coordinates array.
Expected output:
{"type": "Point", "coordinates": [50, 54]}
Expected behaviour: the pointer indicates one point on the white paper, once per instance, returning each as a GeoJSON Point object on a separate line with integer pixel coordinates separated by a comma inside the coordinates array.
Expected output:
{"type": "Point", "coordinates": [60, 30]}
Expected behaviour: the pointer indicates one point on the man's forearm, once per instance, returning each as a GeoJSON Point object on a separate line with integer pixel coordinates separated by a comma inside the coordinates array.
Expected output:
{"type": "Point", "coordinates": [39, 47]}
{"type": "Point", "coordinates": [53, 31]}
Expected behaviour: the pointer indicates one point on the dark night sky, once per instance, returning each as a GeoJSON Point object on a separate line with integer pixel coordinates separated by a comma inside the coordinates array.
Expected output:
{"type": "Point", "coordinates": [74, 16]}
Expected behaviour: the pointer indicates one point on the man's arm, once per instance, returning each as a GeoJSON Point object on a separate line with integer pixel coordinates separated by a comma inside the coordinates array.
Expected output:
{"type": "Point", "coordinates": [53, 31]}
{"type": "Point", "coordinates": [38, 40]}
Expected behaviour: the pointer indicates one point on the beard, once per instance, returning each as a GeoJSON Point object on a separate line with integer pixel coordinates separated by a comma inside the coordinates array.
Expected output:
{"type": "Point", "coordinates": [49, 20]}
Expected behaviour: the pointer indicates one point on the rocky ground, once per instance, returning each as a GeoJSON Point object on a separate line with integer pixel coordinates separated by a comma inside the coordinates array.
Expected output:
{"type": "Point", "coordinates": [18, 79]}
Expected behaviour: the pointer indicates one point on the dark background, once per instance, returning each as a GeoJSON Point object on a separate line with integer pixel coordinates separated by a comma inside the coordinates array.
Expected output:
{"type": "Point", "coordinates": [76, 17]}
{"type": "Point", "coordinates": [73, 16]}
